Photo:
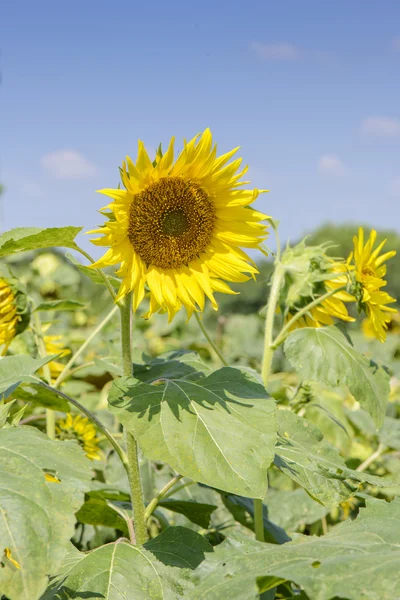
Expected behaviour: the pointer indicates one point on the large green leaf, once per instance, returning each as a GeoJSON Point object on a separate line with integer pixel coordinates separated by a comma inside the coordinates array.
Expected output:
{"type": "Point", "coordinates": [120, 570]}
{"type": "Point", "coordinates": [219, 430]}
{"type": "Point", "coordinates": [325, 355]}
{"type": "Point", "coordinates": [171, 365]}
{"type": "Point", "coordinates": [31, 238]}
{"type": "Point", "coordinates": [17, 369]}
{"type": "Point", "coordinates": [37, 516]}
{"type": "Point", "coordinates": [304, 456]}
{"type": "Point", "coordinates": [389, 435]}
{"type": "Point", "coordinates": [41, 396]}
{"type": "Point", "coordinates": [357, 560]}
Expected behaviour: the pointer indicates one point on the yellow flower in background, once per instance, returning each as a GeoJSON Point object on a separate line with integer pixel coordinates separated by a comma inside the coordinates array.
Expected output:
{"type": "Point", "coordinates": [81, 429]}
{"type": "Point", "coordinates": [54, 345]}
{"type": "Point", "coordinates": [8, 314]}
{"type": "Point", "coordinates": [178, 227]}
{"type": "Point", "coordinates": [331, 308]}
{"type": "Point", "coordinates": [369, 273]}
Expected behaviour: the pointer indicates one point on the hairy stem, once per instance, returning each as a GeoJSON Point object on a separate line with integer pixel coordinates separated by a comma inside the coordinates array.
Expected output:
{"type": "Point", "coordinates": [273, 299]}
{"type": "Point", "coordinates": [209, 340]}
{"type": "Point", "coordinates": [131, 444]}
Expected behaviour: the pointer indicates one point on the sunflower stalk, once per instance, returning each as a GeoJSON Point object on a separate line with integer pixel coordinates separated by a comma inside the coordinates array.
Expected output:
{"type": "Point", "coordinates": [210, 340]}
{"type": "Point", "coordinates": [131, 444]}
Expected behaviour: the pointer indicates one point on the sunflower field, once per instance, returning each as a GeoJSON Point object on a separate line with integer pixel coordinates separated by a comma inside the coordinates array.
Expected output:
{"type": "Point", "coordinates": [191, 414]}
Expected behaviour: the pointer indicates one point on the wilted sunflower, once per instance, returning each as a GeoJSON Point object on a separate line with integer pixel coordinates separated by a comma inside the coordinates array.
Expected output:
{"type": "Point", "coordinates": [14, 311]}
{"type": "Point", "coordinates": [177, 227]}
{"type": "Point", "coordinates": [81, 429]}
{"type": "Point", "coordinates": [369, 273]}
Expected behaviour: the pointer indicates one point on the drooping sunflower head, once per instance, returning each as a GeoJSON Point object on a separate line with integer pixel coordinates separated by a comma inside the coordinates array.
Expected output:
{"type": "Point", "coordinates": [310, 274]}
{"type": "Point", "coordinates": [177, 227]}
{"type": "Point", "coordinates": [14, 310]}
{"type": "Point", "coordinates": [370, 269]}
{"type": "Point", "coordinates": [83, 431]}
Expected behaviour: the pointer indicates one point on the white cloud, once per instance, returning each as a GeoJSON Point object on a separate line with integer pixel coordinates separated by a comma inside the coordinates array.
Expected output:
{"type": "Point", "coordinates": [396, 44]}
{"type": "Point", "coordinates": [394, 188]}
{"type": "Point", "coordinates": [329, 164]}
{"type": "Point", "coordinates": [68, 164]}
{"type": "Point", "coordinates": [381, 126]}
{"type": "Point", "coordinates": [282, 51]}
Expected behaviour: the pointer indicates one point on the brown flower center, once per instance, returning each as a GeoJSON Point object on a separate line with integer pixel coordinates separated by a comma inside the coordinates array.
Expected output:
{"type": "Point", "coordinates": [171, 222]}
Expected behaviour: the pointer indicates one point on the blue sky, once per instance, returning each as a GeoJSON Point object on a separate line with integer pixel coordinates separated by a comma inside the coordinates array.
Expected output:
{"type": "Point", "coordinates": [310, 90]}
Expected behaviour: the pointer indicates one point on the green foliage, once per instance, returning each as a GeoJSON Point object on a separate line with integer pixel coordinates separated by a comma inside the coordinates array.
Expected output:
{"type": "Point", "coordinates": [17, 369]}
{"type": "Point", "coordinates": [325, 355]}
{"type": "Point", "coordinates": [37, 516]}
{"type": "Point", "coordinates": [219, 430]}
{"type": "Point", "coordinates": [120, 567]}
{"type": "Point", "coordinates": [31, 238]}
{"type": "Point", "coordinates": [358, 560]}
{"type": "Point", "coordinates": [321, 455]}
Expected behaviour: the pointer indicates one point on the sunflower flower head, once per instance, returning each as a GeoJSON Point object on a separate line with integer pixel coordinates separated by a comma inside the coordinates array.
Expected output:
{"type": "Point", "coordinates": [369, 272]}
{"type": "Point", "coordinates": [178, 225]}
{"type": "Point", "coordinates": [83, 431]}
{"type": "Point", "coordinates": [14, 310]}
{"type": "Point", "coordinates": [311, 273]}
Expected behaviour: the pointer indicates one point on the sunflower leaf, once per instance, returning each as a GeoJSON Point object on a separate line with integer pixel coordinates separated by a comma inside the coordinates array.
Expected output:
{"type": "Point", "coordinates": [23, 239]}
{"type": "Point", "coordinates": [219, 430]}
{"type": "Point", "coordinates": [42, 485]}
{"type": "Point", "coordinates": [304, 456]}
{"type": "Point", "coordinates": [357, 560]}
{"type": "Point", "coordinates": [121, 570]}
{"type": "Point", "coordinates": [15, 370]}
{"type": "Point", "coordinates": [325, 355]}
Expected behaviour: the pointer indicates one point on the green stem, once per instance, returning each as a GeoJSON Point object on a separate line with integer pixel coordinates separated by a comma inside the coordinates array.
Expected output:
{"type": "Point", "coordinates": [286, 329]}
{"type": "Point", "coordinates": [209, 340]}
{"type": "Point", "coordinates": [82, 348]}
{"type": "Point", "coordinates": [99, 271]}
{"type": "Point", "coordinates": [38, 333]}
{"type": "Point", "coordinates": [131, 444]}
{"type": "Point", "coordinates": [276, 285]}
{"type": "Point", "coordinates": [94, 420]}
{"type": "Point", "coordinates": [153, 503]}
{"type": "Point", "coordinates": [258, 519]}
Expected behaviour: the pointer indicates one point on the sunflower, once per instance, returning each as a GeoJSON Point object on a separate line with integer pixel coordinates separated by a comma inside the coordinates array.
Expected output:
{"type": "Point", "coordinates": [369, 273]}
{"type": "Point", "coordinates": [14, 311]}
{"type": "Point", "coordinates": [331, 308]}
{"type": "Point", "coordinates": [81, 429]}
{"type": "Point", "coordinates": [177, 227]}
{"type": "Point", "coordinates": [54, 345]}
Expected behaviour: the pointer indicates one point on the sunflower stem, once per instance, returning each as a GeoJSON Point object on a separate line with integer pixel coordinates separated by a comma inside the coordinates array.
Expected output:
{"type": "Point", "coordinates": [209, 340]}
{"type": "Point", "coordinates": [131, 444]}
{"type": "Point", "coordinates": [276, 284]}
{"type": "Point", "coordinates": [286, 329]}
{"type": "Point", "coordinates": [41, 346]}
